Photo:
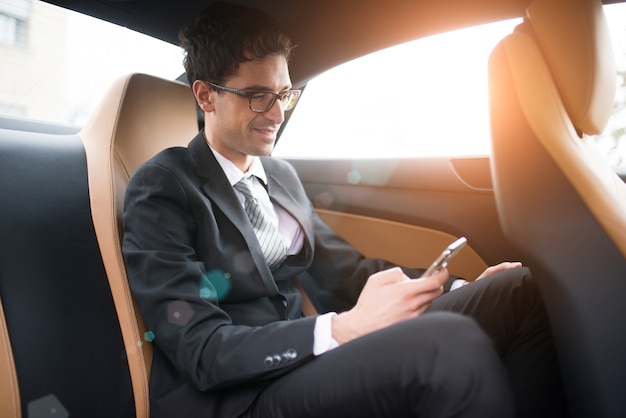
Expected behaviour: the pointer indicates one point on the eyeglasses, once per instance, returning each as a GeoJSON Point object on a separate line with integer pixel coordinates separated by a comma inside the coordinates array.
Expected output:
{"type": "Point", "coordinates": [262, 101]}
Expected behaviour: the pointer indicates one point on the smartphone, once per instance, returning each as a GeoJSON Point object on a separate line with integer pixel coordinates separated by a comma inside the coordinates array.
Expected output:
{"type": "Point", "coordinates": [445, 256]}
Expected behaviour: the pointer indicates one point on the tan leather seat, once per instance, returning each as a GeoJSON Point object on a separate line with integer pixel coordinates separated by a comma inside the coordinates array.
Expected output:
{"type": "Point", "coordinates": [9, 388]}
{"type": "Point", "coordinates": [552, 86]}
{"type": "Point", "coordinates": [140, 116]}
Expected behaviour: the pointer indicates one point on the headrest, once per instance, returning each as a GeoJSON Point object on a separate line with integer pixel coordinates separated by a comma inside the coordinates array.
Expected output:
{"type": "Point", "coordinates": [573, 36]}
{"type": "Point", "coordinates": [142, 115]}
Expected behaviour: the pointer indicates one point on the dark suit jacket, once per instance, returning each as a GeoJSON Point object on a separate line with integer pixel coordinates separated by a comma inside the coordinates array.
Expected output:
{"type": "Point", "coordinates": [188, 239]}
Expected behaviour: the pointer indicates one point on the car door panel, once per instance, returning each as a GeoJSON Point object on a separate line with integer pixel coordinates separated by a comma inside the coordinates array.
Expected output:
{"type": "Point", "coordinates": [401, 243]}
{"type": "Point", "coordinates": [408, 210]}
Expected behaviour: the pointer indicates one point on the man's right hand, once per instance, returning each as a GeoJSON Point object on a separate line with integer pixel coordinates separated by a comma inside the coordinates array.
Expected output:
{"type": "Point", "coordinates": [388, 297]}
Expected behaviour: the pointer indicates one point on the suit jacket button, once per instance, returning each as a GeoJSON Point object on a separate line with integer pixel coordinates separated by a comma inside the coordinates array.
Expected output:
{"type": "Point", "coordinates": [290, 354]}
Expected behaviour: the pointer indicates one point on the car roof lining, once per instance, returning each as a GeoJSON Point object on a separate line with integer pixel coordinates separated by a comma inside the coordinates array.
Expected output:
{"type": "Point", "coordinates": [315, 26]}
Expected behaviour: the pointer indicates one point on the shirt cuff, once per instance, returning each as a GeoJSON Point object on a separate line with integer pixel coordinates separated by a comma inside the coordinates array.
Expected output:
{"type": "Point", "coordinates": [456, 284]}
{"type": "Point", "coordinates": [323, 340]}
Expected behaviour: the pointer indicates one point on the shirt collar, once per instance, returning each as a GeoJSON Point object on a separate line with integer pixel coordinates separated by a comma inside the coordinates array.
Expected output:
{"type": "Point", "coordinates": [234, 174]}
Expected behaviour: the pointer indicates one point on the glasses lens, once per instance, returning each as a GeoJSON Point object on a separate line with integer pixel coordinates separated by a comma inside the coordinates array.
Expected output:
{"type": "Point", "coordinates": [261, 102]}
{"type": "Point", "coordinates": [290, 99]}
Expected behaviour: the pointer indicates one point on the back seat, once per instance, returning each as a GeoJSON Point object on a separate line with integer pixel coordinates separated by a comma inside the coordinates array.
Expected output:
{"type": "Point", "coordinates": [61, 345]}
{"type": "Point", "coordinates": [140, 116]}
{"type": "Point", "coordinates": [71, 340]}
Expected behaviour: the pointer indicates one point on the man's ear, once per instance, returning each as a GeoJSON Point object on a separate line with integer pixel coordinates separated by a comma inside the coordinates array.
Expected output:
{"type": "Point", "coordinates": [204, 95]}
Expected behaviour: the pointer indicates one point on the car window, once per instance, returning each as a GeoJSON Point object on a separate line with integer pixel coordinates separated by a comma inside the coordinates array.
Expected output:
{"type": "Point", "coordinates": [56, 64]}
{"type": "Point", "coordinates": [424, 98]}
{"type": "Point", "coordinates": [612, 141]}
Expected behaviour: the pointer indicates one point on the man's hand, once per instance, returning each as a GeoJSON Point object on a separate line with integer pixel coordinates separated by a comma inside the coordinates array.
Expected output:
{"type": "Point", "coordinates": [499, 267]}
{"type": "Point", "coordinates": [388, 297]}
{"type": "Point", "coordinates": [496, 269]}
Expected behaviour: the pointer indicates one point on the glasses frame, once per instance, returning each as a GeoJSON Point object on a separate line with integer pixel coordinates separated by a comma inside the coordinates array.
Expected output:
{"type": "Point", "coordinates": [249, 94]}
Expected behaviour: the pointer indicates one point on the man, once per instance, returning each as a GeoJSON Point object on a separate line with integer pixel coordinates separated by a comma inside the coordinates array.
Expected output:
{"type": "Point", "coordinates": [216, 232]}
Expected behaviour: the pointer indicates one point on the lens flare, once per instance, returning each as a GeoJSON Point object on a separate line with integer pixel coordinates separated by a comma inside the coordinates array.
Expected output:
{"type": "Point", "coordinates": [215, 285]}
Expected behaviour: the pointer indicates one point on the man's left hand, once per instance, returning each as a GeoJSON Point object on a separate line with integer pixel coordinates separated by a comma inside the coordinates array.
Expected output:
{"type": "Point", "coordinates": [498, 268]}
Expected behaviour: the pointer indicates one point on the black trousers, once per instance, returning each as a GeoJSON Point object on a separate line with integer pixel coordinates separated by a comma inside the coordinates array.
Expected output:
{"type": "Point", "coordinates": [484, 350]}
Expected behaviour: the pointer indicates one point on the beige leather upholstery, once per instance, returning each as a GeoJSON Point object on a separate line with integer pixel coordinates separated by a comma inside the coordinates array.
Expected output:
{"type": "Point", "coordinates": [575, 43]}
{"type": "Point", "coordinates": [402, 244]}
{"type": "Point", "coordinates": [576, 48]}
{"type": "Point", "coordinates": [140, 116]}
{"type": "Point", "coordinates": [552, 86]}
{"type": "Point", "coordinates": [561, 65]}
{"type": "Point", "coordinates": [9, 389]}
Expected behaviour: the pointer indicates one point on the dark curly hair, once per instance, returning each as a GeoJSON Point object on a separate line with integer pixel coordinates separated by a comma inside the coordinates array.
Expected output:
{"type": "Point", "coordinates": [224, 36]}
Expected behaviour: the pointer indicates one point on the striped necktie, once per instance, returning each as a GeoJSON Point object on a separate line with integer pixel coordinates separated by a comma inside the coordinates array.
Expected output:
{"type": "Point", "coordinates": [271, 242]}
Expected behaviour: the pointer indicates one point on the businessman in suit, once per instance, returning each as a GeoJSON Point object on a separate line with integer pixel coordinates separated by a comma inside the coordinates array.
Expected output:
{"type": "Point", "coordinates": [212, 264]}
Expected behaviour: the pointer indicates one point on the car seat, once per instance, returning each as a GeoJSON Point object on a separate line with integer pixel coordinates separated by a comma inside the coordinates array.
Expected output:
{"type": "Point", "coordinates": [140, 116]}
{"type": "Point", "coordinates": [551, 86]}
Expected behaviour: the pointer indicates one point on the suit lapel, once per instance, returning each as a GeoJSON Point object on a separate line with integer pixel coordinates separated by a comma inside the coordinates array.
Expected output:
{"type": "Point", "coordinates": [284, 197]}
{"type": "Point", "coordinates": [217, 188]}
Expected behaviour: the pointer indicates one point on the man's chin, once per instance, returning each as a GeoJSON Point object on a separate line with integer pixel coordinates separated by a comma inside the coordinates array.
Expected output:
{"type": "Point", "coordinates": [264, 152]}
{"type": "Point", "coordinates": [265, 149]}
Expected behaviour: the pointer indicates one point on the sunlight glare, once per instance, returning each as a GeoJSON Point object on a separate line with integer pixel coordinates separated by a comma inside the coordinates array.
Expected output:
{"type": "Point", "coordinates": [423, 98]}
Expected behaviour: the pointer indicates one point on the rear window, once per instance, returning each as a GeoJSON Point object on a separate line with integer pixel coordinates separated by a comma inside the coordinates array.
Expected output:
{"type": "Point", "coordinates": [56, 64]}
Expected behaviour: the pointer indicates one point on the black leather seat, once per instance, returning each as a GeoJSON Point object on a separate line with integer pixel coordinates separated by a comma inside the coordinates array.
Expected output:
{"type": "Point", "coordinates": [61, 344]}
{"type": "Point", "coordinates": [71, 339]}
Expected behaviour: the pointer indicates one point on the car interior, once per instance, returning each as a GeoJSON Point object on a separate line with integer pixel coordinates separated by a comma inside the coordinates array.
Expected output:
{"type": "Point", "coordinates": [72, 341]}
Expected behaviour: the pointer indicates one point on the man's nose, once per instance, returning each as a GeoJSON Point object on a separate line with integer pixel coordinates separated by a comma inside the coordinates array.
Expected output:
{"type": "Point", "coordinates": [276, 113]}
